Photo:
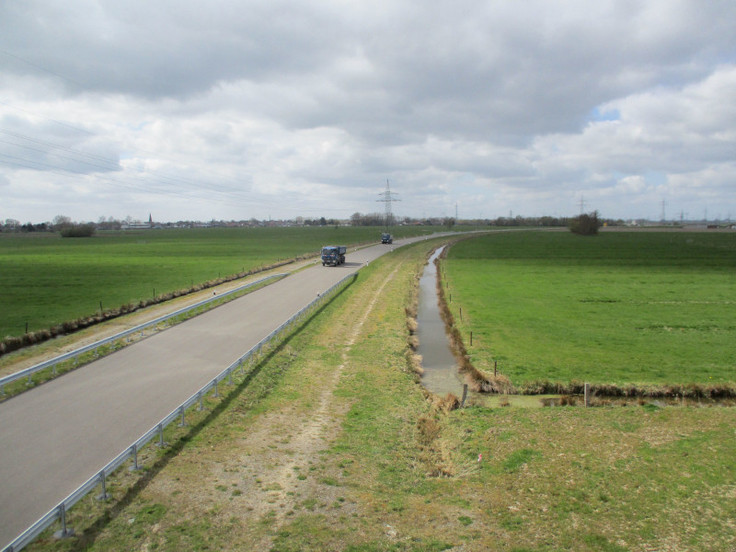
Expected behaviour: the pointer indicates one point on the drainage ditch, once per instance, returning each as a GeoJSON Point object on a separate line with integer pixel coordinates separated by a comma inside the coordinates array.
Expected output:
{"type": "Point", "coordinates": [441, 375]}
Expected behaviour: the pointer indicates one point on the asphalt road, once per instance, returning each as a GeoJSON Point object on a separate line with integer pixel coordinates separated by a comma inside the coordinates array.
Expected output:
{"type": "Point", "coordinates": [56, 436]}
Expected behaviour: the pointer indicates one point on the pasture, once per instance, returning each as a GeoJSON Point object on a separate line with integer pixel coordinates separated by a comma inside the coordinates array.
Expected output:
{"type": "Point", "coordinates": [619, 307]}
{"type": "Point", "coordinates": [47, 280]}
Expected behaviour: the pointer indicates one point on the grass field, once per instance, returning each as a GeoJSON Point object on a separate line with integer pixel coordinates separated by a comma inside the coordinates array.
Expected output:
{"type": "Point", "coordinates": [389, 471]}
{"type": "Point", "coordinates": [47, 280]}
{"type": "Point", "coordinates": [619, 307]}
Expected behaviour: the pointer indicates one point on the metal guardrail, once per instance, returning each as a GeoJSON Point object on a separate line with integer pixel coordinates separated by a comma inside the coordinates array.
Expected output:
{"type": "Point", "coordinates": [28, 372]}
{"type": "Point", "coordinates": [58, 512]}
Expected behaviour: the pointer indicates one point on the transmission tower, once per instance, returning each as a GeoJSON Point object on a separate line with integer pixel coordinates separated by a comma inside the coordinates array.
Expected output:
{"type": "Point", "coordinates": [388, 199]}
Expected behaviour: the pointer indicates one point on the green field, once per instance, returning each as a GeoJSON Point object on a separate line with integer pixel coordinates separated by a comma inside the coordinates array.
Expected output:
{"type": "Point", "coordinates": [47, 280]}
{"type": "Point", "coordinates": [619, 307]}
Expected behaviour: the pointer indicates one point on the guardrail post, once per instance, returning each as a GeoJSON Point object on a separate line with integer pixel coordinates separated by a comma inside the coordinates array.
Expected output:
{"type": "Point", "coordinates": [229, 377]}
{"type": "Point", "coordinates": [103, 483]}
{"type": "Point", "coordinates": [182, 422]}
{"type": "Point", "coordinates": [214, 382]}
{"type": "Point", "coordinates": [30, 380]}
{"type": "Point", "coordinates": [161, 442]}
{"type": "Point", "coordinates": [134, 451]}
{"type": "Point", "coordinates": [65, 531]}
{"type": "Point", "coordinates": [201, 403]}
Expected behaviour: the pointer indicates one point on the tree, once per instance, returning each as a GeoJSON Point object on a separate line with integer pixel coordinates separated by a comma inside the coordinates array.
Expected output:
{"type": "Point", "coordinates": [586, 224]}
{"type": "Point", "coordinates": [60, 221]}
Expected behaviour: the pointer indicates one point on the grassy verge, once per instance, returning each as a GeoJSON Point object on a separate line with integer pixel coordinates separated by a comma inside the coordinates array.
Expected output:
{"type": "Point", "coordinates": [332, 445]}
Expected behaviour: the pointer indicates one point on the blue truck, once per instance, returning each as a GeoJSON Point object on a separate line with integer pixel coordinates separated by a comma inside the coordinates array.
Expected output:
{"type": "Point", "coordinates": [333, 255]}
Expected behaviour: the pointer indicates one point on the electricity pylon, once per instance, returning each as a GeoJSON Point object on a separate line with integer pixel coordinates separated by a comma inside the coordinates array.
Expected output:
{"type": "Point", "coordinates": [387, 198]}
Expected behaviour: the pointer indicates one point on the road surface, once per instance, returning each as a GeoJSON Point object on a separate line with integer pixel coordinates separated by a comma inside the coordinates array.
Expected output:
{"type": "Point", "coordinates": [56, 436]}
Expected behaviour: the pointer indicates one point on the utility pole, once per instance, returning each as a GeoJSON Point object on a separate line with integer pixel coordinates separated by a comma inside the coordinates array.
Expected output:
{"type": "Point", "coordinates": [387, 198]}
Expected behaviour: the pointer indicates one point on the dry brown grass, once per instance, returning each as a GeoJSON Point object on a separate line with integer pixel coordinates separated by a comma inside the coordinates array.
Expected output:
{"type": "Point", "coordinates": [414, 362]}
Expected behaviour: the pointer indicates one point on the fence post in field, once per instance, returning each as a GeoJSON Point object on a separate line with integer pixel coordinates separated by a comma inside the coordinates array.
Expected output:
{"type": "Point", "coordinates": [587, 395]}
{"type": "Point", "coordinates": [495, 368]}
{"type": "Point", "coordinates": [471, 339]}
{"type": "Point", "coordinates": [465, 395]}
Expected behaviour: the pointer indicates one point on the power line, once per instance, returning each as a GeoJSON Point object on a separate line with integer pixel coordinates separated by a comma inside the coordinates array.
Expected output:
{"type": "Point", "coordinates": [31, 64]}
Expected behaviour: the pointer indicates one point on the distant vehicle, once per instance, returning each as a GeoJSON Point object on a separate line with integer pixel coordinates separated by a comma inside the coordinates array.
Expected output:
{"type": "Point", "coordinates": [386, 238]}
{"type": "Point", "coordinates": [333, 255]}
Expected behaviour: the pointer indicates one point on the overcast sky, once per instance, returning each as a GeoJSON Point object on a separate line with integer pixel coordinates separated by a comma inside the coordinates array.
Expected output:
{"type": "Point", "coordinates": [279, 108]}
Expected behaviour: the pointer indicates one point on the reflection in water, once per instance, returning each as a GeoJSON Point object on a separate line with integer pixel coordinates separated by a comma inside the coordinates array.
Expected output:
{"type": "Point", "coordinates": [441, 374]}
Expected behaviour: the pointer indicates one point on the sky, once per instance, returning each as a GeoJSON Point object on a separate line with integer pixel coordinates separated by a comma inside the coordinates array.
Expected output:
{"type": "Point", "coordinates": [275, 109]}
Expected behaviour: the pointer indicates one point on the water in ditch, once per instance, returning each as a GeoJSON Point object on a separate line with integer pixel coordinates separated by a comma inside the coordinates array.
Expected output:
{"type": "Point", "coordinates": [441, 374]}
